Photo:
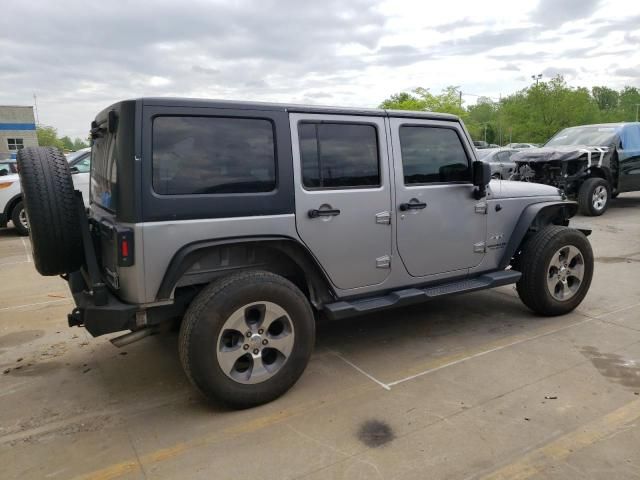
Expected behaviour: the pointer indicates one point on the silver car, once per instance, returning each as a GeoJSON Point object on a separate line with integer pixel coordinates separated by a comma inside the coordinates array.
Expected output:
{"type": "Point", "coordinates": [500, 160]}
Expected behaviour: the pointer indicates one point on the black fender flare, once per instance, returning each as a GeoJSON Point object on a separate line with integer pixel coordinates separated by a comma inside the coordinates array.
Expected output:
{"type": "Point", "coordinates": [317, 281]}
{"type": "Point", "coordinates": [8, 208]}
{"type": "Point", "coordinates": [535, 215]}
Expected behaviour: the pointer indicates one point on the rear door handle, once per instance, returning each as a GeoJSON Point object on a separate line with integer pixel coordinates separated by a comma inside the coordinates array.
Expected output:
{"type": "Point", "coordinates": [412, 206]}
{"type": "Point", "coordinates": [323, 213]}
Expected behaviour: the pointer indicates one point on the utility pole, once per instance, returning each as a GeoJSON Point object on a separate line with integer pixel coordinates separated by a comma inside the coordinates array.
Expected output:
{"type": "Point", "coordinates": [35, 101]}
{"type": "Point", "coordinates": [637, 107]}
{"type": "Point", "coordinates": [460, 99]}
{"type": "Point", "coordinates": [536, 78]}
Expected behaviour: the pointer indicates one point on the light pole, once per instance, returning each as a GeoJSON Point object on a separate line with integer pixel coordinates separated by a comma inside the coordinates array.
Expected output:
{"type": "Point", "coordinates": [637, 106]}
{"type": "Point", "coordinates": [536, 78]}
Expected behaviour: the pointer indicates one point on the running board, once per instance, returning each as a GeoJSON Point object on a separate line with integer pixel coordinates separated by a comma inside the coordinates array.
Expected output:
{"type": "Point", "coordinates": [409, 296]}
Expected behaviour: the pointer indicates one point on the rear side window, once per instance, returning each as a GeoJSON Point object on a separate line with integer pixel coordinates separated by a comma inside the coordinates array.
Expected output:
{"type": "Point", "coordinates": [433, 155]}
{"type": "Point", "coordinates": [200, 155]}
{"type": "Point", "coordinates": [339, 155]}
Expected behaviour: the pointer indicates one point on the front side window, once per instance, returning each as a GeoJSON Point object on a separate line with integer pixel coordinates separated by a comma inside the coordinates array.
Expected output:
{"type": "Point", "coordinates": [208, 155]}
{"type": "Point", "coordinates": [83, 165]}
{"type": "Point", "coordinates": [15, 143]}
{"type": "Point", "coordinates": [339, 155]}
{"type": "Point", "coordinates": [433, 155]}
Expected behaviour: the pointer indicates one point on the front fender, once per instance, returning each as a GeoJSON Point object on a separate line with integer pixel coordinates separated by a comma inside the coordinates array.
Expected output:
{"type": "Point", "coordinates": [534, 217]}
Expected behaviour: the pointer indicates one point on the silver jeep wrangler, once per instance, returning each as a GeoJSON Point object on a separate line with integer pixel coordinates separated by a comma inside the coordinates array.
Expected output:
{"type": "Point", "coordinates": [249, 220]}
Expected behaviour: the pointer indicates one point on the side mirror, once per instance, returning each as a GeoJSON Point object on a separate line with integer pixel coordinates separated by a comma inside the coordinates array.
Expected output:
{"type": "Point", "coordinates": [481, 178]}
{"type": "Point", "coordinates": [74, 170]}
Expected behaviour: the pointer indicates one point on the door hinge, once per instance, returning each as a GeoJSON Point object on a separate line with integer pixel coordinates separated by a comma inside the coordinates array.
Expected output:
{"type": "Point", "coordinates": [383, 218]}
{"type": "Point", "coordinates": [383, 262]}
{"type": "Point", "coordinates": [481, 207]}
{"type": "Point", "coordinates": [479, 247]}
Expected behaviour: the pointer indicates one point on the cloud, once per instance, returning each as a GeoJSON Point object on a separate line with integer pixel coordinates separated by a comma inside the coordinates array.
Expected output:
{"type": "Point", "coordinates": [551, 72]}
{"type": "Point", "coordinates": [631, 72]}
{"type": "Point", "coordinates": [554, 13]}
{"type": "Point", "coordinates": [79, 57]}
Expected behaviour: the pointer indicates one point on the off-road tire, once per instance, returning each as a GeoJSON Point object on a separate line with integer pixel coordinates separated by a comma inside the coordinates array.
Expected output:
{"type": "Point", "coordinates": [585, 196]}
{"type": "Point", "coordinates": [533, 263]}
{"type": "Point", "coordinates": [205, 318]}
{"type": "Point", "coordinates": [15, 218]}
{"type": "Point", "coordinates": [50, 203]}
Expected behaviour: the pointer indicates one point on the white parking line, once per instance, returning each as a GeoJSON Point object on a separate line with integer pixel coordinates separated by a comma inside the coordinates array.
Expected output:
{"type": "Point", "coordinates": [26, 250]}
{"type": "Point", "coordinates": [388, 386]}
{"type": "Point", "coordinates": [14, 263]}
{"type": "Point", "coordinates": [369, 376]}
{"type": "Point", "coordinates": [17, 307]}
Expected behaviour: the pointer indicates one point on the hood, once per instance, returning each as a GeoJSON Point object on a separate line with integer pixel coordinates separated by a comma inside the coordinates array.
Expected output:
{"type": "Point", "coordinates": [14, 177]}
{"type": "Point", "coordinates": [559, 153]}
{"type": "Point", "coordinates": [510, 189]}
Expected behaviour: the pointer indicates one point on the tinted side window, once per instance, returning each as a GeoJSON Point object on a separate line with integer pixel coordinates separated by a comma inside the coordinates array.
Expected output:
{"type": "Point", "coordinates": [196, 155]}
{"type": "Point", "coordinates": [431, 154]}
{"type": "Point", "coordinates": [339, 155]}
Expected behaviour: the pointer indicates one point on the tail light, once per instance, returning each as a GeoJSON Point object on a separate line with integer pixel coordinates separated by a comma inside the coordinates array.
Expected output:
{"type": "Point", "coordinates": [125, 248]}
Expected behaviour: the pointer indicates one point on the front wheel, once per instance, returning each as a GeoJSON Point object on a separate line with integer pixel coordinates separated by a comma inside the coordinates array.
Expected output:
{"type": "Point", "coordinates": [557, 267]}
{"type": "Point", "coordinates": [593, 196]}
{"type": "Point", "coordinates": [247, 338]}
{"type": "Point", "coordinates": [19, 219]}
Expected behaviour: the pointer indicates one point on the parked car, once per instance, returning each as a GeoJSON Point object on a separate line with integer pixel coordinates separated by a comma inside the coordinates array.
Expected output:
{"type": "Point", "coordinates": [8, 167]}
{"type": "Point", "coordinates": [590, 163]}
{"type": "Point", "coordinates": [500, 160]}
{"type": "Point", "coordinates": [249, 220]}
{"type": "Point", "coordinates": [11, 198]}
{"type": "Point", "coordinates": [480, 144]}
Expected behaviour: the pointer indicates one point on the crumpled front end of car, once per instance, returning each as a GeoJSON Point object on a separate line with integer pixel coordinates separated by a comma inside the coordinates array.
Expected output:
{"type": "Point", "coordinates": [561, 167]}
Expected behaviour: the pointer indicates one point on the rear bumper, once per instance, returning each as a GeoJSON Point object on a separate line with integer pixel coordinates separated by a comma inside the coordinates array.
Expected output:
{"type": "Point", "coordinates": [112, 316]}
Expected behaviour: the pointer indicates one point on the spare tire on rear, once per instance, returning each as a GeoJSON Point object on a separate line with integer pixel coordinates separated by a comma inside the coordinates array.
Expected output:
{"type": "Point", "coordinates": [50, 203]}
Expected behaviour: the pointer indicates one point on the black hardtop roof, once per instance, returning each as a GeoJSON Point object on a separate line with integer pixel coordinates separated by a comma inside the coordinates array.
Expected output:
{"type": "Point", "coordinates": [291, 108]}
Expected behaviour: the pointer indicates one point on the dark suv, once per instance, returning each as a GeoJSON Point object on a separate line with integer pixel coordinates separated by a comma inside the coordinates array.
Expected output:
{"type": "Point", "coordinates": [247, 221]}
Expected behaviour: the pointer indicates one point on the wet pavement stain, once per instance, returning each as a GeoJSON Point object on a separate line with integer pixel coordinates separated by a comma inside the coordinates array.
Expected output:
{"type": "Point", "coordinates": [616, 368]}
{"type": "Point", "coordinates": [374, 433]}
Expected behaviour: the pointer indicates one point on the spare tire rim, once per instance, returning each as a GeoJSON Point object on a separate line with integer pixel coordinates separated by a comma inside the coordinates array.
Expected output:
{"type": "Point", "coordinates": [599, 197]}
{"type": "Point", "coordinates": [565, 273]}
{"type": "Point", "coordinates": [22, 217]}
{"type": "Point", "coordinates": [255, 342]}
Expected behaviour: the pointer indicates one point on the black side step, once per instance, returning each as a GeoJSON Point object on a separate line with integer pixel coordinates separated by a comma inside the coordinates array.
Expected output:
{"type": "Point", "coordinates": [409, 296]}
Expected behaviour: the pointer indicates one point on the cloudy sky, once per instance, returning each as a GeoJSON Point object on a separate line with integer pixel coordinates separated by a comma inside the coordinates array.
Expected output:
{"type": "Point", "coordinates": [79, 56]}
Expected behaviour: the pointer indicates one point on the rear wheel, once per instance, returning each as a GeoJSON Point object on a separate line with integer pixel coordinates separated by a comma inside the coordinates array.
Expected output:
{"type": "Point", "coordinates": [557, 267]}
{"type": "Point", "coordinates": [594, 196]}
{"type": "Point", "coordinates": [247, 338]}
{"type": "Point", "coordinates": [19, 219]}
{"type": "Point", "coordinates": [50, 205]}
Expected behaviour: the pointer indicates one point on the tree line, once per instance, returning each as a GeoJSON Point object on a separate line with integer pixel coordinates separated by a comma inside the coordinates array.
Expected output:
{"type": "Point", "coordinates": [532, 114]}
{"type": "Point", "coordinates": [48, 137]}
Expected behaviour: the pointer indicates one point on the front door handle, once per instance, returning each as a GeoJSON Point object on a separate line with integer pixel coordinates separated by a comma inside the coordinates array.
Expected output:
{"type": "Point", "coordinates": [323, 213]}
{"type": "Point", "coordinates": [412, 206]}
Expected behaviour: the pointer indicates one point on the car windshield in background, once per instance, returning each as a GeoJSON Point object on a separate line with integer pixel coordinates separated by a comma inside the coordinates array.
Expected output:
{"type": "Point", "coordinates": [592, 135]}
{"type": "Point", "coordinates": [482, 153]}
{"type": "Point", "coordinates": [74, 155]}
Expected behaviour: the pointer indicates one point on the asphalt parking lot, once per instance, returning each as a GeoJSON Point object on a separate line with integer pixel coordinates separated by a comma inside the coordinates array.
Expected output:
{"type": "Point", "coordinates": [466, 387]}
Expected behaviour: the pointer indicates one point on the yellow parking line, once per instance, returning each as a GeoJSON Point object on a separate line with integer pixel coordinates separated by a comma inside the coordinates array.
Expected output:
{"type": "Point", "coordinates": [134, 464]}
{"type": "Point", "coordinates": [536, 461]}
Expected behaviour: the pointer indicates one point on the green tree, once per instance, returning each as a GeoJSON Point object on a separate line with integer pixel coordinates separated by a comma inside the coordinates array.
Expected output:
{"type": "Point", "coordinates": [48, 137]}
{"type": "Point", "coordinates": [421, 99]}
{"type": "Point", "coordinates": [79, 144]}
{"type": "Point", "coordinates": [67, 143]}
{"type": "Point", "coordinates": [605, 97]}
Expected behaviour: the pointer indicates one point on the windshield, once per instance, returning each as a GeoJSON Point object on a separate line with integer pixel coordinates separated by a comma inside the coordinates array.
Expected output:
{"type": "Point", "coordinates": [484, 153]}
{"type": "Point", "coordinates": [73, 155]}
{"type": "Point", "coordinates": [591, 135]}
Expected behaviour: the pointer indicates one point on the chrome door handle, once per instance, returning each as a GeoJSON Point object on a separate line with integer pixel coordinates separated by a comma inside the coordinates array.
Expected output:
{"type": "Point", "coordinates": [323, 213]}
{"type": "Point", "coordinates": [412, 206]}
